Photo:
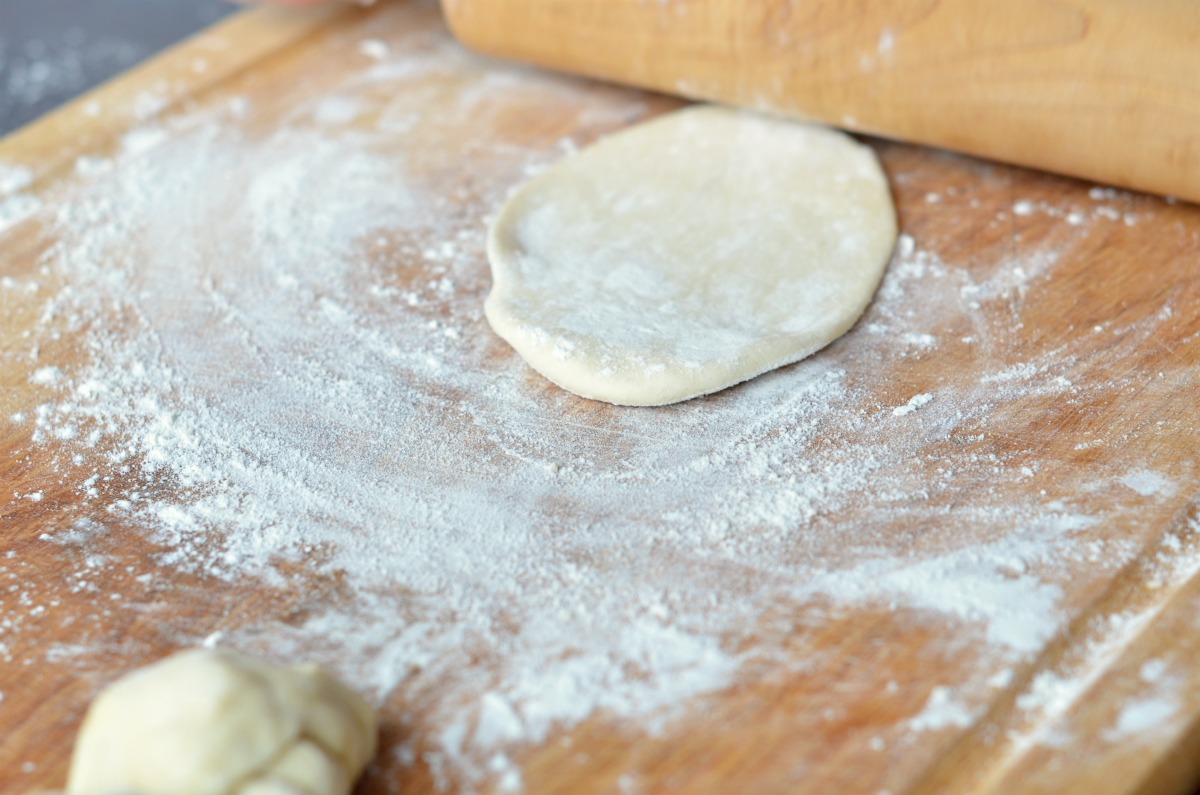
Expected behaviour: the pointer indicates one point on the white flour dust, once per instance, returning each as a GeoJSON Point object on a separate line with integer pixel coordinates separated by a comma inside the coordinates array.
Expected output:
{"type": "Point", "coordinates": [16, 204]}
{"type": "Point", "coordinates": [941, 711]}
{"type": "Point", "coordinates": [285, 352]}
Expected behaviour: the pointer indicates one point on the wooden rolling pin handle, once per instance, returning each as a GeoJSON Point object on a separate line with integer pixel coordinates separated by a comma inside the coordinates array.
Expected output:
{"type": "Point", "coordinates": [1106, 90]}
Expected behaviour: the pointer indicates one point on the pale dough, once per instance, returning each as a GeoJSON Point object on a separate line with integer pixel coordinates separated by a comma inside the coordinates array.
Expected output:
{"type": "Point", "coordinates": [206, 722]}
{"type": "Point", "coordinates": [689, 253]}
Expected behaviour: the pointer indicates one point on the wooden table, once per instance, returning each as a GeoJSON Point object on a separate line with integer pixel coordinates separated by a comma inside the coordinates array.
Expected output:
{"type": "Point", "coordinates": [992, 590]}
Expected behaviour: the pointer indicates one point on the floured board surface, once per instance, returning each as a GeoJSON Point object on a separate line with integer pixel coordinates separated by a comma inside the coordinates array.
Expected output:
{"type": "Point", "coordinates": [250, 399]}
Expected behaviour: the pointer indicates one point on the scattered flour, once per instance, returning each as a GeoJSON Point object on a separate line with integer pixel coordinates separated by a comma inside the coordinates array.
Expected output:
{"type": "Point", "coordinates": [374, 48]}
{"type": "Point", "coordinates": [941, 711]}
{"type": "Point", "coordinates": [1140, 718]}
{"type": "Point", "coordinates": [14, 178]}
{"type": "Point", "coordinates": [914, 403]}
{"type": "Point", "coordinates": [1152, 711]}
{"type": "Point", "coordinates": [15, 205]}
{"type": "Point", "coordinates": [1148, 483]}
{"type": "Point", "coordinates": [1153, 670]}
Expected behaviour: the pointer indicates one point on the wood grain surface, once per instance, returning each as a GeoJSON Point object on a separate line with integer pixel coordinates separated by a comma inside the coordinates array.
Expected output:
{"type": "Point", "coordinates": [1068, 314]}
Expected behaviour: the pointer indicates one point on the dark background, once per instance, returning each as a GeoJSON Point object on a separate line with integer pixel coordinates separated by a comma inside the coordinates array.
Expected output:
{"type": "Point", "coordinates": [53, 50]}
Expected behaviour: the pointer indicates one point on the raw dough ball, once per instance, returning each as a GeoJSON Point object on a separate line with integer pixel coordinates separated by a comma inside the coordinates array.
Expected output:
{"type": "Point", "coordinates": [689, 253]}
{"type": "Point", "coordinates": [207, 722]}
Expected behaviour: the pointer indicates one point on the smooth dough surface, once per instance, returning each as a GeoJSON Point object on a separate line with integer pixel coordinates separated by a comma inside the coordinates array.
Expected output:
{"type": "Point", "coordinates": [206, 722]}
{"type": "Point", "coordinates": [689, 253]}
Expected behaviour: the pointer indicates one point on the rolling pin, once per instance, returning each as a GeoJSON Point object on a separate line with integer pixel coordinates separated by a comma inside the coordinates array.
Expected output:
{"type": "Point", "coordinates": [1105, 90]}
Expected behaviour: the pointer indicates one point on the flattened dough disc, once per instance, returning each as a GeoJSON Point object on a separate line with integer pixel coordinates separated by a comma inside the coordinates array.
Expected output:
{"type": "Point", "coordinates": [689, 253]}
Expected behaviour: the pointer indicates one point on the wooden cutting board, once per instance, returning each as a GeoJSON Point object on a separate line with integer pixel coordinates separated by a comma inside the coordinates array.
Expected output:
{"type": "Point", "coordinates": [957, 551]}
